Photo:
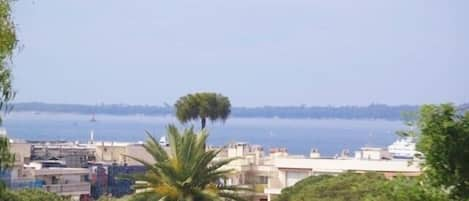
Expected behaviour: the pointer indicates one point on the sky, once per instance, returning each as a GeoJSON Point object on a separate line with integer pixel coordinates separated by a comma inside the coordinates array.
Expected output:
{"type": "Point", "coordinates": [256, 52]}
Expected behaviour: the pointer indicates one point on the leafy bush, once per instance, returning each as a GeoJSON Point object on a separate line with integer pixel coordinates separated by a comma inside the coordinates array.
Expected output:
{"type": "Point", "coordinates": [360, 187]}
{"type": "Point", "coordinates": [444, 141]}
{"type": "Point", "coordinates": [135, 197]}
{"type": "Point", "coordinates": [30, 195]}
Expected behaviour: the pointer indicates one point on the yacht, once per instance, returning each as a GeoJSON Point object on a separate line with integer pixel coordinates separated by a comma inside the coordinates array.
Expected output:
{"type": "Point", "coordinates": [404, 148]}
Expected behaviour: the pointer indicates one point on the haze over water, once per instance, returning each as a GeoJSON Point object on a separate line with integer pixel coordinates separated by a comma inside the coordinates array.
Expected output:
{"type": "Point", "coordinates": [330, 136]}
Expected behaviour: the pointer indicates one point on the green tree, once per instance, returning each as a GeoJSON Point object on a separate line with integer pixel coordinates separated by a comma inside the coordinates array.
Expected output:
{"type": "Point", "coordinates": [360, 187]}
{"type": "Point", "coordinates": [135, 197]}
{"type": "Point", "coordinates": [125, 198]}
{"type": "Point", "coordinates": [346, 187]}
{"type": "Point", "coordinates": [186, 172]}
{"type": "Point", "coordinates": [7, 45]}
{"type": "Point", "coordinates": [7, 159]}
{"type": "Point", "coordinates": [444, 140]}
{"type": "Point", "coordinates": [203, 106]}
{"type": "Point", "coordinates": [31, 195]}
{"type": "Point", "coordinates": [408, 189]}
{"type": "Point", "coordinates": [144, 197]}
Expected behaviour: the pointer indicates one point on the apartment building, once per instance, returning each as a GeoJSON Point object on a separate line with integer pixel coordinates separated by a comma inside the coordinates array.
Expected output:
{"type": "Point", "coordinates": [59, 179]}
{"type": "Point", "coordinates": [118, 152]}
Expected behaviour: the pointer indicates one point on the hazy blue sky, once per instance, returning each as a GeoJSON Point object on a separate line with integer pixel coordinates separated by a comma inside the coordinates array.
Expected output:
{"type": "Point", "coordinates": [257, 52]}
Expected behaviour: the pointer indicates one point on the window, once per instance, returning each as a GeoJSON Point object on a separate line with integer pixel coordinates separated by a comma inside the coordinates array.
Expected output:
{"type": "Point", "coordinates": [262, 180]}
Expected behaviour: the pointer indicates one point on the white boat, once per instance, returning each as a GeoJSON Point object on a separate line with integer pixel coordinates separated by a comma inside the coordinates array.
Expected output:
{"type": "Point", "coordinates": [404, 148]}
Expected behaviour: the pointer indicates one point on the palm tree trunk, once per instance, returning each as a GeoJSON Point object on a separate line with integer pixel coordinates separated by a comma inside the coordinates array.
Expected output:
{"type": "Point", "coordinates": [204, 122]}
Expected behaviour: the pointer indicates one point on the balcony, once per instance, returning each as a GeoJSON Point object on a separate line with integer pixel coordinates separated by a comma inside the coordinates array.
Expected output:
{"type": "Point", "coordinates": [60, 171]}
{"type": "Point", "coordinates": [68, 189]}
{"type": "Point", "coordinates": [19, 184]}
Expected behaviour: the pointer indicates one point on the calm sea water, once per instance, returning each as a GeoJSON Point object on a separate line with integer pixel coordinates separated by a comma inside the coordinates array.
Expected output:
{"type": "Point", "coordinates": [330, 136]}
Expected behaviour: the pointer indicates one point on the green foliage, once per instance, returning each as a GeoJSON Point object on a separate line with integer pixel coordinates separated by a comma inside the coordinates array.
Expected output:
{"type": "Point", "coordinates": [106, 198]}
{"type": "Point", "coordinates": [125, 198]}
{"type": "Point", "coordinates": [346, 187]}
{"type": "Point", "coordinates": [203, 106]}
{"type": "Point", "coordinates": [7, 44]}
{"type": "Point", "coordinates": [135, 197]}
{"type": "Point", "coordinates": [187, 171]}
{"type": "Point", "coordinates": [144, 197]}
{"type": "Point", "coordinates": [30, 195]}
{"type": "Point", "coordinates": [6, 158]}
{"type": "Point", "coordinates": [359, 187]}
{"type": "Point", "coordinates": [408, 189]}
{"type": "Point", "coordinates": [445, 142]}
{"type": "Point", "coordinates": [6, 195]}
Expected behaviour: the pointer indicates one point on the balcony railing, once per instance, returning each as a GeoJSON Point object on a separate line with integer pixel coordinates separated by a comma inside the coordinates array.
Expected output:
{"type": "Point", "coordinates": [67, 189]}
{"type": "Point", "coordinates": [19, 184]}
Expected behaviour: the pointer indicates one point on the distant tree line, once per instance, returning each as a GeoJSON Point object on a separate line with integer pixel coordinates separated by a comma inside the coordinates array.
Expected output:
{"type": "Point", "coordinates": [374, 111]}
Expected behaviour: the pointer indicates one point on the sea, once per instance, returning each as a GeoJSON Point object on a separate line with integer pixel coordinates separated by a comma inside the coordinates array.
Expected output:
{"type": "Point", "coordinates": [299, 136]}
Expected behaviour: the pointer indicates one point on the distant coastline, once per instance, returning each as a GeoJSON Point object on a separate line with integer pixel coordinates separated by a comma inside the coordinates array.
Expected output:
{"type": "Point", "coordinates": [373, 111]}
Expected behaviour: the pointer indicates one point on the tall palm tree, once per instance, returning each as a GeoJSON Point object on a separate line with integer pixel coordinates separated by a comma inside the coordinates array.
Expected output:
{"type": "Point", "coordinates": [203, 106]}
{"type": "Point", "coordinates": [185, 172]}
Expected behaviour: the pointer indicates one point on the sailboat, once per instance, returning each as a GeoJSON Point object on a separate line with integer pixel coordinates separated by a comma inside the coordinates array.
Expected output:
{"type": "Point", "coordinates": [93, 119]}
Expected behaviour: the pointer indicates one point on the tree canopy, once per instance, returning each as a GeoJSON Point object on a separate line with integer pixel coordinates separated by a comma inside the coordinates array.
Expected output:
{"type": "Point", "coordinates": [8, 43]}
{"type": "Point", "coordinates": [359, 187]}
{"type": "Point", "coordinates": [203, 106]}
{"type": "Point", "coordinates": [30, 195]}
{"type": "Point", "coordinates": [6, 158]}
{"type": "Point", "coordinates": [444, 140]}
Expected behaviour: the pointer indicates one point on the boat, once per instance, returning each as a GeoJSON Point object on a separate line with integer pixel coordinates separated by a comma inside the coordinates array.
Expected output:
{"type": "Point", "coordinates": [93, 118]}
{"type": "Point", "coordinates": [404, 148]}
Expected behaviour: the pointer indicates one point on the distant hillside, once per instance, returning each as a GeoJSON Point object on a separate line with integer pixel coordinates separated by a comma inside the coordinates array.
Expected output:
{"type": "Point", "coordinates": [374, 111]}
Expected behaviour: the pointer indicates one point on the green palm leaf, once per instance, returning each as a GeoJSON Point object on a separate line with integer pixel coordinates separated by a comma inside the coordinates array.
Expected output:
{"type": "Point", "coordinates": [186, 171]}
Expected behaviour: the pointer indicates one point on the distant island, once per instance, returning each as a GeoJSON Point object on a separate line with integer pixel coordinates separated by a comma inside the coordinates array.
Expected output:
{"type": "Point", "coordinates": [373, 111]}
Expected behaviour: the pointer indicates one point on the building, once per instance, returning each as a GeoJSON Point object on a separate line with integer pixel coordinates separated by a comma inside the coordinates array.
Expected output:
{"type": "Point", "coordinates": [74, 155]}
{"type": "Point", "coordinates": [106, 179]}
{"type": "Point", "coordinates": [22, 151]}
{"type": "Point", "coordinates": [105, 161]}
{"type": "Point", "coordinates": [49, 175]}
{"type": "Point", "coordinates": [268, 175]}
{"type": "Point", "coordinates": [57, 178]}
{"type": "Point", "coordinates": [118, 152]}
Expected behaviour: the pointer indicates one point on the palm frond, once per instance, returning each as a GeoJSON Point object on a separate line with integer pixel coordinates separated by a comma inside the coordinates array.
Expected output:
{"type": "Point", "coordinates": [188, 171]}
